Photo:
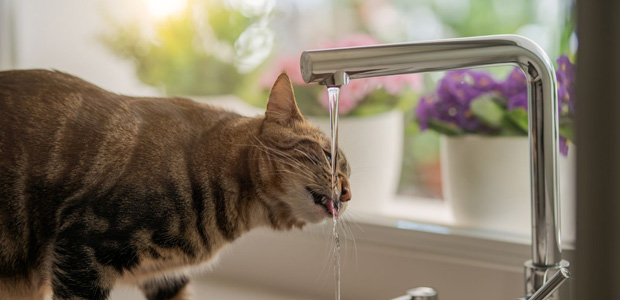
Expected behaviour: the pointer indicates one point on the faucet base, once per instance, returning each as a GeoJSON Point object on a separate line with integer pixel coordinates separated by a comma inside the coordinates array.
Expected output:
{"type": "Point", "coordinates": [536, 276]}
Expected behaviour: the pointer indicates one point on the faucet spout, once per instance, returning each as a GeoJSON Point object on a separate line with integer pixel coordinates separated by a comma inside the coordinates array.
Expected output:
{"type": "Point", "coordinates": [328, 66]}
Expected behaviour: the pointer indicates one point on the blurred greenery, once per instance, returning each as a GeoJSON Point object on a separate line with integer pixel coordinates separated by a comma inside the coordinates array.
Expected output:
{"type": "Point", "coordinates": [519, 117]}
{"type": "Point", "coordinates": [483, 17]}
{"type": "Point", "coordinates": [495, 114]}
{"type": "Point", "coordinates": [190, 55]}
{"type": "Point", "coordinates": [180, 56]}
{"type": "Point", "coordinates": [487, 17]}
{"type": "Point", "coordinates": [568, 30]}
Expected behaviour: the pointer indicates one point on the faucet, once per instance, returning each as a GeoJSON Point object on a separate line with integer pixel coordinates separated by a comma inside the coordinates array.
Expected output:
{"type": "Point", "coordinates": [335, 67]}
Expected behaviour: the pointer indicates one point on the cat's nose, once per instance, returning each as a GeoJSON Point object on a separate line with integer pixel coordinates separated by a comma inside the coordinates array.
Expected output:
{"type": "Point", "coordinates": [345, 194]}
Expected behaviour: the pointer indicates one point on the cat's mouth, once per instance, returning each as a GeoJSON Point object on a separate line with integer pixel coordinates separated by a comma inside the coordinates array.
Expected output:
{"type": "Point", "coordinates": [323, 201]}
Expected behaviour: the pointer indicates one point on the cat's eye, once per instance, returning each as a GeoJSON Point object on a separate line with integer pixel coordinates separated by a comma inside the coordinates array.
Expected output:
{"type": "Point", "coordinates": [329, 156]}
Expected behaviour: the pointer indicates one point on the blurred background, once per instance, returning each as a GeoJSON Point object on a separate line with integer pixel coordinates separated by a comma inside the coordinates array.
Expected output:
{"type": "Point", "coordinates": [223, 47]}
{"type": "Point", "coordinates": [229, 52]}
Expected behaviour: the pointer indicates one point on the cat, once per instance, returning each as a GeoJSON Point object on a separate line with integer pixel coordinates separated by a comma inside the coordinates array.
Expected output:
{"type": "Point", "coordinates": [98, 188]}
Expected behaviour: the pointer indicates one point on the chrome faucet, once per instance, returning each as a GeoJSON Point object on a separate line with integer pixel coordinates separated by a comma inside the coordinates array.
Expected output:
{"type": "Point", "coordinates": [335, 67]}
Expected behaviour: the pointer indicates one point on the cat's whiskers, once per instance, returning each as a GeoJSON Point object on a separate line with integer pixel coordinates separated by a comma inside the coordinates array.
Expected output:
{"type": "Point", "coordinates": [300, 168]}
{"type": "Point", "coordinates": [329, 252]}
{"type": "Point", "coordinates": [348, 234]}
{"type": "Point", "coordinates": [287, 160]}
{"type": "Point", "coordinates": [284, 171]}
{"type": "Point", "coordinates": [297, 166]}
{"type": "Point", "coordinates": [276, 151]}
{"type": "Point", "coordinates": [291, 159]}
{"type": "Point", "coordinates": [306, 155]}
{"type": "Point", "coordinates": [279, 156]}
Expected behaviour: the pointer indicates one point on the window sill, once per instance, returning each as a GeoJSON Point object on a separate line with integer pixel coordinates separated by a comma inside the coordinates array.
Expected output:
{"type": "Point", "coordinates": [427, 225]}
{"type": "Point", "coordinates": [428, 235]}
{"type": "Point", "coordinates": [404, 212]}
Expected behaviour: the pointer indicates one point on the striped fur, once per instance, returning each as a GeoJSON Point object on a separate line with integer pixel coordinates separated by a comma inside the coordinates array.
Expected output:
{"type": "Point", "coordinates": [97, 188]}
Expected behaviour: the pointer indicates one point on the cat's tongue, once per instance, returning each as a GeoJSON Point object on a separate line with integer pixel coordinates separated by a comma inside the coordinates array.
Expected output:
{"type": "Point", "coordinates": [332, 208]}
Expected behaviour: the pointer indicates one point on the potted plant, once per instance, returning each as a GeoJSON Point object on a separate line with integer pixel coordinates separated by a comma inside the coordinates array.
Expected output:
{"type": "Point", "coordinates": [371, 121]}
{"type": "Point", "coordinates": [484, 147]}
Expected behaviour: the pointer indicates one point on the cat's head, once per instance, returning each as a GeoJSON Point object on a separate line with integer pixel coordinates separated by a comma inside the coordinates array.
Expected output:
{"type": "Point", "coordinates": [296, 161]}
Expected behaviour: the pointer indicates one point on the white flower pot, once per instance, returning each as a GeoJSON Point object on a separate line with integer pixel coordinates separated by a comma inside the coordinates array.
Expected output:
{"type": "Point", "coordinates": [373, 146]}
{"type": "Point", "coordinates": [486, 181]}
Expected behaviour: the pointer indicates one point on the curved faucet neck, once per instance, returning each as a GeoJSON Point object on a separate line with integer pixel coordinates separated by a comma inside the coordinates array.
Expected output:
{"type": "Point", "coordinates": [330, 66]}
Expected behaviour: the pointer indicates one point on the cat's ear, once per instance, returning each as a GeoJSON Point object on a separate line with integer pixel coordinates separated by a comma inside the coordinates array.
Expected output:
{"type": "Point", "coordinates": [282, 107]}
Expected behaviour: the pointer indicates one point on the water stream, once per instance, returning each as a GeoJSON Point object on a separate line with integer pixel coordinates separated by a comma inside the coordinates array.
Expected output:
{"type": "Point", "coordinates": [333, 93]}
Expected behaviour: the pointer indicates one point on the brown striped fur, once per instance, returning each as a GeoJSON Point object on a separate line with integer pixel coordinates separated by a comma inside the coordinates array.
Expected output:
{"type": "Point", "coordinates": [97, 188]}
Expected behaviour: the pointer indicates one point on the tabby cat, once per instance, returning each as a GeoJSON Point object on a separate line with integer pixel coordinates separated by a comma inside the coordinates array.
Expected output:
{"type": "Point", "coordinates": [98, 188]}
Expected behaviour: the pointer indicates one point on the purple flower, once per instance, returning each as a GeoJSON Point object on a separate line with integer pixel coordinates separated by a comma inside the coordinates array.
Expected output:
{"type": "Point", "coordinates": [456, 92]}
{"type": "Point", "coordinates": [451, 102]}
{"type": "Point", "coordinates": [466, 85]}
{"type": "Point", "coordinates": [518, 101]}
{"type": "Point", "coordinates": [515, 84]}
{"type": "Point", "coordinates": [563, 145]}
{"type": "Point", "coordinates": [514, 89]}
{"type": "Point", "coordinates": [451, 109]}
{"type": "Point", "coordinates": [425, 111]}
{"type": "Point", "coordinates": [566, 75]}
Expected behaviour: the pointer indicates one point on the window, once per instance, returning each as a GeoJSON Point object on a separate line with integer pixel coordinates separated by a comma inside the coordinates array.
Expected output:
{"type": "Point", "coordinates": [212, 47]}
{"type": "Point", "coordinates": [394, 149]}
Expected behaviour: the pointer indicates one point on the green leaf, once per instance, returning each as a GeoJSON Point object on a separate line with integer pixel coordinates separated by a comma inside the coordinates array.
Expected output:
{"type": "Point", "coordinates": [488, 111]}
{"type": "Point", "coordinates": [567, 131]}
{"type": "Point", "coordinates": [509, 128]}
{"type": "Point", "coordinates": [445, 128]}
{"type": "Point", "coordinates": [227, 24]}
{"type": "Point", "coordinates": [412, 128]}
{"type": "Point", "coordinates": [408, 100]}
{"type": "Point", "coordinates": [370, 109]}
{"type": "Point", "coordinates": [519, 117]}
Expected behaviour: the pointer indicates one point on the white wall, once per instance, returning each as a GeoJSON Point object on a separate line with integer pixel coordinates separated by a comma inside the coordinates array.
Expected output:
{"type": "Point", "coordinates": [63, 35]}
